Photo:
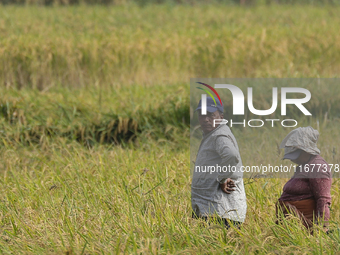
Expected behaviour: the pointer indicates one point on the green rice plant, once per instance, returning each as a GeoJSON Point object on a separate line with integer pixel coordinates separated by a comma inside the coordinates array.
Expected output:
{"type": "Point", "coordinates": [29, 117]}
{"type": "Point", "coordinates": [64, 197]}
{"type": "Point", "coordinates": [75, 76]}
{"type": "Point", "coordinates": [119, 46]}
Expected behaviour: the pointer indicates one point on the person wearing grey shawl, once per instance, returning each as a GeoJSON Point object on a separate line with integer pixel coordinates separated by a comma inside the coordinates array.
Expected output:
{"type": "Point", "coordinates": [217, 188]}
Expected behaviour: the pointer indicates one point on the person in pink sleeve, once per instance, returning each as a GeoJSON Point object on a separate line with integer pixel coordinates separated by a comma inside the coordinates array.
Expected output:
{"type": "Point", "coordinates": [307, 194]}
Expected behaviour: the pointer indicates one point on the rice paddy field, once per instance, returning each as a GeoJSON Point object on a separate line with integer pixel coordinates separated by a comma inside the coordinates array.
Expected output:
{"type": "Point", "coordinates": [95, 124]}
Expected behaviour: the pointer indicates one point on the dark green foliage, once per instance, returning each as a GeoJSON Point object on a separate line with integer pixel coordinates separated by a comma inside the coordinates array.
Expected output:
{"type": "Point", "coordinates": [20, 122]}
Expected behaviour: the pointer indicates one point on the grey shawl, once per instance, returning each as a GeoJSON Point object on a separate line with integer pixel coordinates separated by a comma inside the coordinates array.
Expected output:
{"type": "Point", "coordinates": [218, 149]}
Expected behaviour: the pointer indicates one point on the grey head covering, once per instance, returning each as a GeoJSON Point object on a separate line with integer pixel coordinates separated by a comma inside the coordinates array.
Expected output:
{"type": "Point", "coordinates": [303, 138]}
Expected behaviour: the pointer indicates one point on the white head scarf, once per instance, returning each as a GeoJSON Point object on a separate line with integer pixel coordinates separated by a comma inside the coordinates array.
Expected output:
{"type": "Point", "coordinates": [304, 138]}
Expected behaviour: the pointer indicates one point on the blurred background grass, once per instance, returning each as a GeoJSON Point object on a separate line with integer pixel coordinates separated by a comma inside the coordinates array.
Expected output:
{"type": "Point", "coordinates": [187, 2]}
{"type": "Point", "coordinates": [164, 44]}
{"type": "Point", "coordinates": [121, 61]}
{"type": "Point", "coordinates": [94, 121]}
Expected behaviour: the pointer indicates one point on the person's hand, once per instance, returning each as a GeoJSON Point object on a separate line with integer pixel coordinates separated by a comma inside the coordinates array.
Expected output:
{"type": "Point", "coordinates": [326, 230]}
{"type": "Point", "coordinates": [228, 186]}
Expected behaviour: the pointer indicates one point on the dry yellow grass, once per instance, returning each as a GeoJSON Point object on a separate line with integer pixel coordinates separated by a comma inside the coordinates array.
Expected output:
{"type": "Point", "coordinates": [122, 45]}
{"type": "Point", "coordinates": [60, 196]}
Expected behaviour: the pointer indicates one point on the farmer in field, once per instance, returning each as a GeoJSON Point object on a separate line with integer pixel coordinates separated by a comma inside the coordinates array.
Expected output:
{"type": "Point", "coordinates": [307, 194]}
{"type": "Point", "coordinates": [217, 189]}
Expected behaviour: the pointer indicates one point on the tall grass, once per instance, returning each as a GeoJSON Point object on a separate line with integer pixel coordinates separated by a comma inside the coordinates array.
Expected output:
{"type": "Point", "coordinates": [121, 115]}
{"type": "Point", "coordinates": [90, 75]}
{"type": "Point", "coordinates": [64, 198]}
{"type": "Point", "coordinates": [114, 117]}
{"type": "Point", "coordinates": [170, 2]}
{"type": "Point", "coordinates": [111, 46]}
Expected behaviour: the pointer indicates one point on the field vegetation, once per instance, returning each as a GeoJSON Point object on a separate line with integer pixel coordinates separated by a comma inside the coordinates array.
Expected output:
{"type": "Point", "coordinates": [164, 45]}
{"type": "Point", "coordinates": [95, 124]}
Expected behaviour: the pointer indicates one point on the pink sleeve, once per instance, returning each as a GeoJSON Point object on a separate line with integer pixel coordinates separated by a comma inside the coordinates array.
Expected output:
{"type": "Point", "coordinates": [321, 189]}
